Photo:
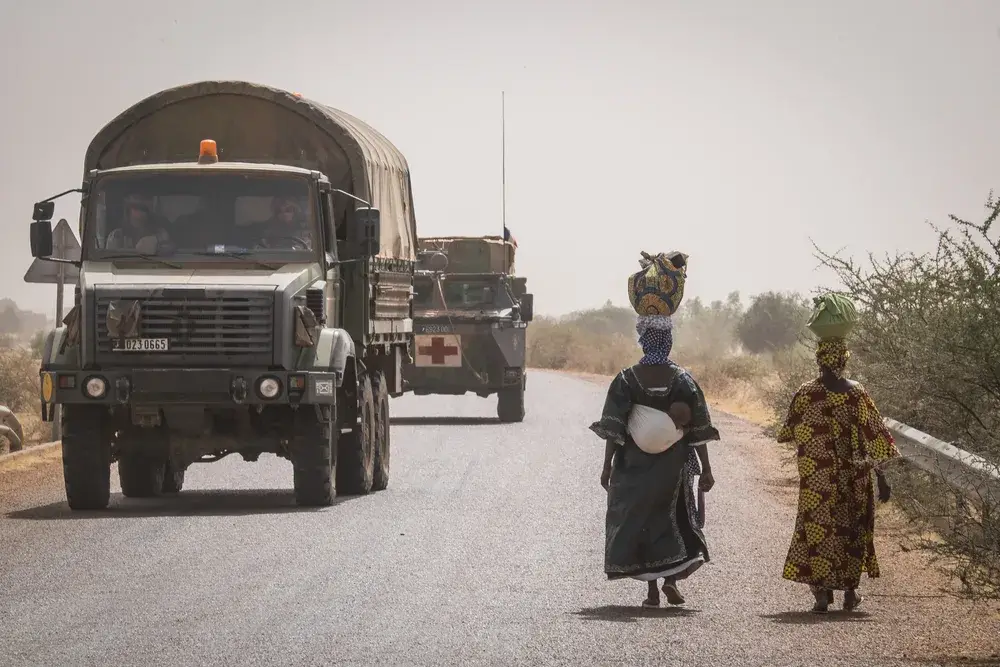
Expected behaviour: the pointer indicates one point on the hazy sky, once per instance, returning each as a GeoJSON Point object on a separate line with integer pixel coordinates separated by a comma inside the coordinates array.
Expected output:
{"type": "Point", "coordinates": [734, 130]}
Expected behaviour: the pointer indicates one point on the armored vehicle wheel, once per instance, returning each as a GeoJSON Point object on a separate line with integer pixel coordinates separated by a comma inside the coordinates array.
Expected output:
{"type": "Point", "coordinates": [380, 479]}
{"type": "Point", "coordinates": [312, 459]}
{"type": "Point", "coordinates": [356, 451]}
{"type": "Point", "coordinates": [86, 448]}
{"type": "Point", "coordinates": [173, 479]}
{"type": "Point", "coordinates": [510, 403]}
{"type": "Point", "coordinates": [141, 476]}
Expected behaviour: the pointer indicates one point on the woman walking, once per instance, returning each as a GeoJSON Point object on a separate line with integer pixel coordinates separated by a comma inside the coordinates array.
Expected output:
{"type": "Point", "coordinates": [840, 439]}
{"type": "Point", "coordinates": [656, 425]}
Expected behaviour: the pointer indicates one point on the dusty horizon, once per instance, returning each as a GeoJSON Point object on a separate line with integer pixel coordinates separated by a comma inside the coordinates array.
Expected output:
{"type": "Point", "coordinates": [736, 135]}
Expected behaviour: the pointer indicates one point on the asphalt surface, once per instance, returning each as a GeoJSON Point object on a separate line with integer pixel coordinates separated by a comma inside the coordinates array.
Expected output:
{"type": "Point", "coordinates": [487, 548]}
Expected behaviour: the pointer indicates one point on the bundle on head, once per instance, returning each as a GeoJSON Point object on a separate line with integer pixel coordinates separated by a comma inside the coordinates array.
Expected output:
{"type": "Point", "coordinates": [658, 287]}
{"type": "Point", "coordinates": [833, 316]}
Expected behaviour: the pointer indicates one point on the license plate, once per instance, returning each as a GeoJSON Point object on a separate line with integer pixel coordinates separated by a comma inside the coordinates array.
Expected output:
{"type": "Point", "coordinates": [140, 345]}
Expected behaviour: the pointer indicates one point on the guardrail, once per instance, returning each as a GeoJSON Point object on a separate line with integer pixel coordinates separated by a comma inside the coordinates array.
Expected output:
{"type": "Point", "coordinates": [10, 429]}
{"type": "Point", "coordinates": [972, 475]}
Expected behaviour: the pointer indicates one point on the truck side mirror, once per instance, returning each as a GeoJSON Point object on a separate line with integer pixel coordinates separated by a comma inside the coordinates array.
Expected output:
{"type": "Point", "coordinates": [41, 238]}
{"type": "Point", "coordinates": [43, 211]}
{"type": "Point", "coordinates": [518, 285]}
{"type": "Point", "coordinates": [368, 222]}
{"type": "Point", "coordinates": [527, 302]}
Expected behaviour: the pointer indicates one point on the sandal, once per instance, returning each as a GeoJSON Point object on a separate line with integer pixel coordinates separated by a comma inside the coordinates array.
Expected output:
{"type": "Point", "coordinates": [674, 596]}
{"type": "Point", "coordinates": [852, 600]}
{"type": "Point", "coordinates": [823, 600]}
{"type": "Point", "coordinates": [652, 600]}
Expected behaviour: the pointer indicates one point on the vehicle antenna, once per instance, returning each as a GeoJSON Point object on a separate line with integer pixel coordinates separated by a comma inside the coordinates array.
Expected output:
{"type": "Point", "coordinates": [503, 178]}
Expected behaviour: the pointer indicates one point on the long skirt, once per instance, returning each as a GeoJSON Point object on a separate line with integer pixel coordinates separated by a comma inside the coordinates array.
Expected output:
{"type": "Point", "coordinates": [652, 528]}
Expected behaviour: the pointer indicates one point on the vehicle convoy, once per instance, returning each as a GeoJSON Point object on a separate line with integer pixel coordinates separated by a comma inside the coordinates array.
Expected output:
{"type": "Point", "coordinates": [245, 287]}
{"type": "Point", "coordinates": [470, 317]}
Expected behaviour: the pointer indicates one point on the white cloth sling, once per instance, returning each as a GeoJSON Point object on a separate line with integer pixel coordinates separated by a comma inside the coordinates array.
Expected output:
{"type": "Point", "coordinates": [653, 430]}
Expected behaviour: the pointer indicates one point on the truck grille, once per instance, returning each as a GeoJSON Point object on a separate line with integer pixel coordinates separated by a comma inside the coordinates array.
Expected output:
{"type": "Point", "coordinates": [199, 325]}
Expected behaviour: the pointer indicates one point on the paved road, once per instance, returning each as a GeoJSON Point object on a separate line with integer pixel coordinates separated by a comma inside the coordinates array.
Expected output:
{"type": "Point", "coordinates": [486, 549]}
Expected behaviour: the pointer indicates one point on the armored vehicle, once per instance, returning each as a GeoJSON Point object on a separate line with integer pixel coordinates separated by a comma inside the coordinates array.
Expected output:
{"type": "Point", "coordinates": [470, 316]}
{"type": "Point", "coordinates": [244, 287]}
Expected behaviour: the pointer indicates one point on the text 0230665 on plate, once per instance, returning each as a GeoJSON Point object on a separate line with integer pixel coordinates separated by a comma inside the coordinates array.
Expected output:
{"type": "Point", "coordinates": [140, 345]}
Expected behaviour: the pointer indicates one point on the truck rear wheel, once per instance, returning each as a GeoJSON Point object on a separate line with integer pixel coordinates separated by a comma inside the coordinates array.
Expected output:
{"type": "Point", "coordinates": [312, 459]}
{"type": "Point", "coordinates": [356, 450]}
{"type": "Point", "coordinates": [173, 479]}
{"type": "Point", "coordinates": [380, 479]}
{"type": "Point", "coordinates": [86, 449]}
{"type": "Point", "coordinates": [141, 476]}
{"type": "Point", "coordinates": [510, 403]}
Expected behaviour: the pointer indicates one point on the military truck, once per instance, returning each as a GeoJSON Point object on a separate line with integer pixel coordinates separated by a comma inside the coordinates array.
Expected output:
{"type": "Point", "coordinates": [244, 288]}
{"type": "Point", "coordinates": [470, 316]}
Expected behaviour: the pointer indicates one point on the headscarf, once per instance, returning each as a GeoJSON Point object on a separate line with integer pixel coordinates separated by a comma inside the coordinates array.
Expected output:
{"type": "Point", "coordinates": [832, 355]}
{"type": "Point", "coordinates": [656, 338]}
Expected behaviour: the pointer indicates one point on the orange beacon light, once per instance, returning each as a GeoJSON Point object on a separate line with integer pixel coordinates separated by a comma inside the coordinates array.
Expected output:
{"type": "Point", "coordinates": [208, 152]}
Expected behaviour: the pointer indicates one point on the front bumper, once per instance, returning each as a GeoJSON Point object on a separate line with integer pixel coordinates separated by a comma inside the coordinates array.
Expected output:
{"type": "Point", "coordinates": [459, 380]}
{"type": "Point", "coordinates": [188, 386]}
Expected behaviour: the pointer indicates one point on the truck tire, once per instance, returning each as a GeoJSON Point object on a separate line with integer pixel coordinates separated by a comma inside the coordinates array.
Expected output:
{"type": "Point", "coordinates": [141, 476]}
{"type": "Point", "coordinates": [510, 403]}
{"type": "Point", "coordinates": [173, 479]}
{"type": "Point", "coordinates": [312, 459]}
{"type": "Point", "coordinates": [86, 450]}
{"type": "Point", "coordinates": [356, 450]}
{"type": "Point", "coordinates": [380, 478]}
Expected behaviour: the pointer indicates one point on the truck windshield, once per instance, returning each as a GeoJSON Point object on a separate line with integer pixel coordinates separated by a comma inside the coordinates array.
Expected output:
{"type": "Point", "coordinates": [464, 293]}
{"type": "Point", "coordinates": [208, 214]}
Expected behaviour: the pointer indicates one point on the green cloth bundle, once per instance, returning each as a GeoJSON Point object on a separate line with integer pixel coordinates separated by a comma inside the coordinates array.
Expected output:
{"type": "Point", "coordinates": [833, 316]}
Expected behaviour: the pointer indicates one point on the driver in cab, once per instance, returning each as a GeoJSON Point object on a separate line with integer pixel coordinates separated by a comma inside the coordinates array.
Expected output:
{"type": "Point", "coordinates": [286, 230]}
{"type": "Point", "coordinates": [140, 230]}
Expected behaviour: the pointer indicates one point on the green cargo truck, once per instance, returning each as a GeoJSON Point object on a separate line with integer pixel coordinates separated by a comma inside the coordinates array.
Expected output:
{"type": "Point", "coordinates": [470, 317]}
{"type": "Point", "coordinates": [245, 288]}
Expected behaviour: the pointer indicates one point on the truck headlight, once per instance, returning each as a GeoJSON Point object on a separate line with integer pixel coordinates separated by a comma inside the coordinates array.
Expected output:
{"type": "Point", "coordinates": [95, 387]}
{"type": "Point", "coordinates": [268, 387]}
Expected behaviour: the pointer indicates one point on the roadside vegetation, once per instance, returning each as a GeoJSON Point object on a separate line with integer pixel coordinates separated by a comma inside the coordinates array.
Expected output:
{"type": "Point", "coordinates": [20, 356]}
{"type": "Point", "coordinates": [927, 349]}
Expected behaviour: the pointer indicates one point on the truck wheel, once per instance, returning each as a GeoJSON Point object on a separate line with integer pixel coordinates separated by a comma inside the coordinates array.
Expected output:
{"type": "Point", "coordinates": [312, 459]}
{"type": "Point", "coordinates": [86, 450]}
{"type": "Point", "coordinates": [510, 404]}
{"type": "Point", "coordinates": [356, 451]}
{"type": "Point", "coordinates": [141, 476]}
{"type": "Point", "coordinates": [173, 479]}
{"type": "Point", "coordinates": [380, 479]}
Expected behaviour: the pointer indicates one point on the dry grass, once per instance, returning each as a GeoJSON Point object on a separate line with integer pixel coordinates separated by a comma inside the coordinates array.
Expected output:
{"type": "Point", "coordinates": [19, 392]}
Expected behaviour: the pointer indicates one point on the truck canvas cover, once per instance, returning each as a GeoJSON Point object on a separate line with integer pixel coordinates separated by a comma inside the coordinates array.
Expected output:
{"type": "Point", "coordinates": [472, 254]}
{"type": "Point", "coordinates": [260, 124]}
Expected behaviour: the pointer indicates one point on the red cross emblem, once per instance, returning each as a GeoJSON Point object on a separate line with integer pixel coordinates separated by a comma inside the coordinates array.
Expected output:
{"type": "Point", "coordinates": [437, 350]}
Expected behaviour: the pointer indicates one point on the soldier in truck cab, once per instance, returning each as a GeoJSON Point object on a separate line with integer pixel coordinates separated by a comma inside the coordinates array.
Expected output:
{"type": "Point", "coordinates": [286, 227]}
{"type": "Point", "coordinates": [140, 229]}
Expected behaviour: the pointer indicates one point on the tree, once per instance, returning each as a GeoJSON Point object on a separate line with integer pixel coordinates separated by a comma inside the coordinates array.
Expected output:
{"type": "Point", "coordinates": [10, 321]}
{"type": "Point", "coordinates": [774, 321]}
{"type": "Point", "coordinates": [707, 332]}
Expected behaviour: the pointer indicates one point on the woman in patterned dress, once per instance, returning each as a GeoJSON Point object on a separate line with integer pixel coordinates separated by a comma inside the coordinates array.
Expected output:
{"type": "Point", "coordinates": [840, 439]}
{"type": "Point", "coordinates": [653, 530]}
